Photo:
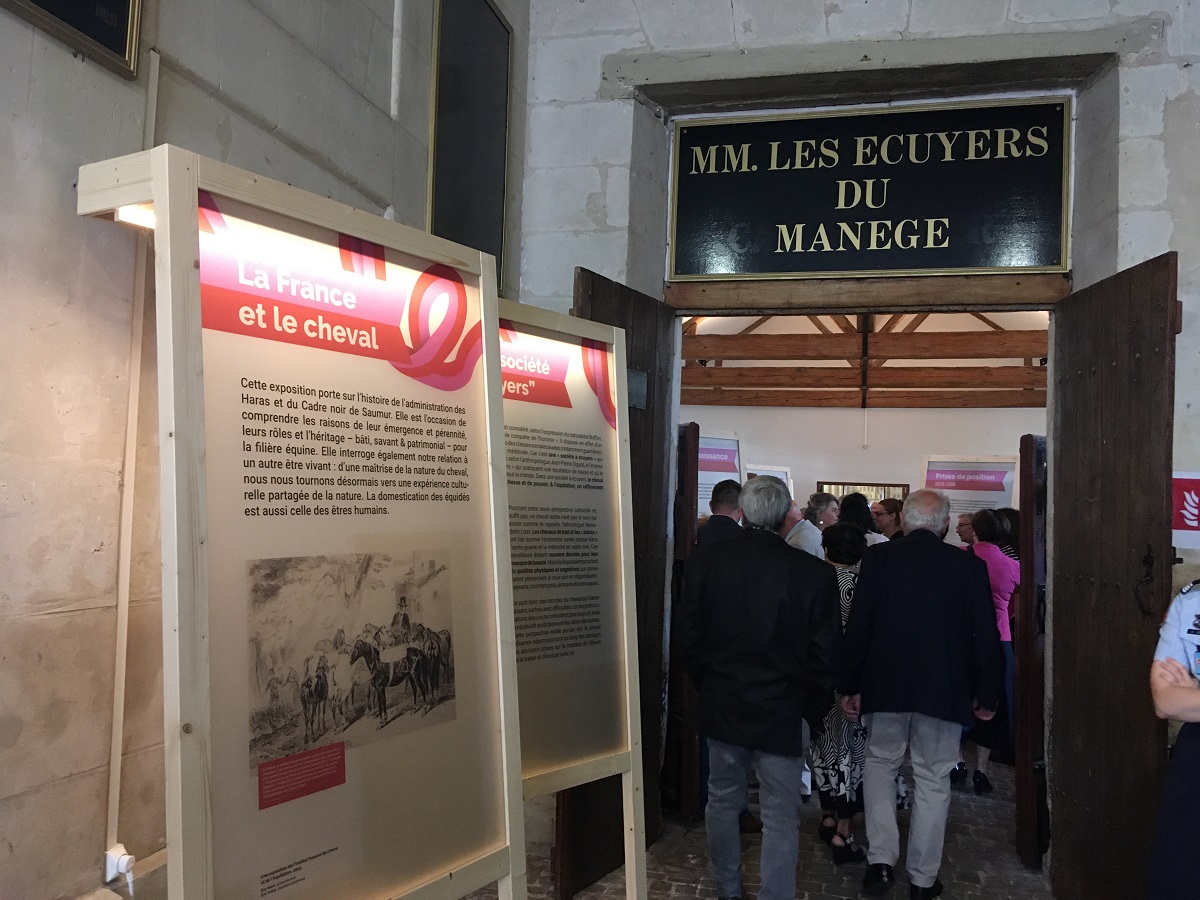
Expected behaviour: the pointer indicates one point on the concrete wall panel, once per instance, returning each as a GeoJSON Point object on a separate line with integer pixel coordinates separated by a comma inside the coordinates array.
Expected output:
{"type": "Point", "coordinates": [556, 19]}
{"type": "Point", "coordinates": [144, 678]}
{"type": "Point", "coordinates": [143, 822]}
{"type": "Point", "coordinates": [946, 17]}
{"type": "Point", "coordinates": [854, 20]}
{"type": "Point", "coordinates": [55, 689]}
{"type": "Point", "coordinates": [761, 23]}
{"type": "Point", "coordinates": [1059, 10]}
{"type": "Point", "coordinates": [58, 536]}
{"type": "Point", "coordinates": [569, 69]}
{"type": "Point", "coordinates": [684, 24]}
{"type": "Point", "coordinates": [53, 839]}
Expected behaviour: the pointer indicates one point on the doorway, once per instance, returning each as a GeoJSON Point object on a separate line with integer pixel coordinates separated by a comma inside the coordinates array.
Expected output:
{"type": "Point", "coordinates": [1110, 419]}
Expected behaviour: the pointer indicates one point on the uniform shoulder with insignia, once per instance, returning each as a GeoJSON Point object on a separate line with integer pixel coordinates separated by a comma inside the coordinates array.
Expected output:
{"type": "Point", "coordinates": [1188, 587]}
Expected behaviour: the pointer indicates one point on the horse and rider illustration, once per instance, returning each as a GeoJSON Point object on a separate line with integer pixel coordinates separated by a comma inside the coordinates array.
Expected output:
{"type": "Point", "coordinates": [356, 677]}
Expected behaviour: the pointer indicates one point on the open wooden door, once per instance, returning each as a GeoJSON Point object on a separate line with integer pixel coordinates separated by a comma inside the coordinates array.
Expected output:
{"type": "Point", "coordinates": [1113, 372]}
{"type": "Point", "coordinates": [588, 834]}
{"type": "Point", "coordinates": [1029, 646]}
{"type": "Point", "coordinates": [681, 761]}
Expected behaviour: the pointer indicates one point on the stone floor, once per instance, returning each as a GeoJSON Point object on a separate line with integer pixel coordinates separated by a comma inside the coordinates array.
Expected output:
{"type": "Point", "coordinates": [979, 862]}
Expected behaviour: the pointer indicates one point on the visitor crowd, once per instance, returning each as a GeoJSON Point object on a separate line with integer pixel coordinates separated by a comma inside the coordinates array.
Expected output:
{"type": "Point", "coordinates": [847, 635]}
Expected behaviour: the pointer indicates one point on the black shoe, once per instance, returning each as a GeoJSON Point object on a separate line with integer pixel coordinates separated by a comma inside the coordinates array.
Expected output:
{"type": "Point", "coordinates": [826, 832]}
{"type": "Point", "coordinates": [982, 785]}
{"type": "Point", "coordinates": [925, 893]}
{"type": "Point", "coordinates": [958, 775]}
{"type": "Point", "coordinates": [879, 879]}
{"type": "Point", "coordinates": [847, 852]}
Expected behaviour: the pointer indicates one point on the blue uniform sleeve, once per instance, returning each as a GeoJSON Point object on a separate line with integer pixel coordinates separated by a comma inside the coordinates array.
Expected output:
{"type": "Point", "coordinates": [1171, 644]}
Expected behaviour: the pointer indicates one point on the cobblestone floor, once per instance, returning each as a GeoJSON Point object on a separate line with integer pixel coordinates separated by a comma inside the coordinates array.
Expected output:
{"type": "Point", "coordinates": [979, 861]}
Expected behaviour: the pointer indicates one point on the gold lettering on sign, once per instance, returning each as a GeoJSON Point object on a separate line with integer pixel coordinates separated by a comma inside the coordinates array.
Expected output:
{"type": "Point", "coordinates": [1037, 141]}
{"type": "Point", "coordinates": [882, 234]}
{"type": "Point", "coordinates": [864, 154]}
{"type": "Point", "coordinates": [822, 237]}
{"type": "Point", "coordinates": [883, 149]}
{"type": "Point", "coordinates": [829, 151]}
{"type": "Point", "coordinates": [859, 193]}
{"type": "Point", "coordinates": [912, 147]}
{"type": "Point", "coordinates": [788, 241]}
{"type": "Point", "coordinates": [906, 241]}
{"type": "Point", "coordinates": [1006, 143]}
{"type": "Point", "coordinates": [935, 237]}
{"type": "Point", "coordinates": [704, 160]}
{"type": "Point", "coordinates": [774, 166]}
{"type": "Point", "coordinates": [977, 144]}
{"type": "Point", "coordinates": [855, 236]}
{"type": "Point", "coordinates": [737, 159]}
{"type": "Point", "coordinates": [948, 144]}
{"type": "Point", "coordinates": [804, 154]}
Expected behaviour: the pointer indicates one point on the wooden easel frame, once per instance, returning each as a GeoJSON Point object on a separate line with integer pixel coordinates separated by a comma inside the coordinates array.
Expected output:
{"type": "Point", "coordinates": [627, 762]}
{"type": "Point", "coordinates": [164, 183]}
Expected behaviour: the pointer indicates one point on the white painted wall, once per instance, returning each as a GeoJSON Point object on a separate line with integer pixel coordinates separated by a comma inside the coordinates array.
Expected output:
{"type": "Point", "coordinates": [332, 96]}
{"type": "Point", "coordinates": [1137, 190]}
{"type": "Point", "coordinates": [828, 444]}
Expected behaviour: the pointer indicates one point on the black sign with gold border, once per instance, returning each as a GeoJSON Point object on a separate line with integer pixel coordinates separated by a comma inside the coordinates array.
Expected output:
{"type": "Point", "coordinates": [953, 188]}
{"type": "Point", "coordinates": [103, 30]}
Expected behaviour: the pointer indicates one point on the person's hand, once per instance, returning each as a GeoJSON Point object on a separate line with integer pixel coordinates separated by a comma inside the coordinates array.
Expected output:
{"type": "Point", "coordinates": [851, 706]}
{"type": "Point", "coordinates": [1171, 672]}
{"type": "Point", "coordinates": [984, 715]}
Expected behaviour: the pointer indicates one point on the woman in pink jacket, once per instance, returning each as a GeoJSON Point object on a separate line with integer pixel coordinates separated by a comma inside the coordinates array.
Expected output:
{"type": "Point", "coordinates": [1004, 574]}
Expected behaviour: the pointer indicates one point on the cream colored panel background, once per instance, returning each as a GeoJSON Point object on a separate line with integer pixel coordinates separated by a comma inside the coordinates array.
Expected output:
{"type": "Point", "coordinates": [572, 706]}
{"type": "Point", "coordinates": [414, 804]}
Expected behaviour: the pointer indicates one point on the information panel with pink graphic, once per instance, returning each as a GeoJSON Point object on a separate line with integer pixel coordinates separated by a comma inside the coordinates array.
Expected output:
{"type": "Point", "coordinates": [720, 459]}
{"type": "Point", "coordinates": [560, 422]}
{"type": "Point", "coordinates": [972, 483]}
{"type": "Point", "coordinates": [352, 621]}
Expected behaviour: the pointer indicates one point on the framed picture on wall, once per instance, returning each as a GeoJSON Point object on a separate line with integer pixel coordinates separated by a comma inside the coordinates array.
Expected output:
{"type": "Point", "coordinates": [783, 473]}
{"type": "Point", "coordinates": [873, 491]}
{"type": "Point", "coordinates": [103, 30]}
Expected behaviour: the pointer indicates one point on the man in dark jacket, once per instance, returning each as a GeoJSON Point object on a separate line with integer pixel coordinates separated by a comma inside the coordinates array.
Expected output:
{"type": "Point", "coordinates": [726, 513]}
{"type": "Point", "coordinates": [759, 623]}
{"type": "Point", "coordinates": [921, 660]}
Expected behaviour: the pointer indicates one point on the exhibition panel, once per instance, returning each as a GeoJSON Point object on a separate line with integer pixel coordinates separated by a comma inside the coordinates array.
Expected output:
{"type": "Point", "coordinates": [339, 670]}
{"type": "Point", "coordinates": [571, 526]}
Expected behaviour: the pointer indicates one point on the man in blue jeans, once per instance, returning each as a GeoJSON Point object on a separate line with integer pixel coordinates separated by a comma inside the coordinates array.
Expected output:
{"type": "Point", "coordinates": [758, 628]}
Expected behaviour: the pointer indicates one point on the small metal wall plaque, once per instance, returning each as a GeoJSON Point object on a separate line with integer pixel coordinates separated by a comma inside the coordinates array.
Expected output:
{"type": "Point", "coordinates": [637, 384]}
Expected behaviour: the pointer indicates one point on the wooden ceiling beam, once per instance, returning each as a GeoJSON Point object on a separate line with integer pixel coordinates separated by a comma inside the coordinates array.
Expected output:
{"type": "Point", "coordinates": [990, 323]}
{"type": "Point", "coordinates": [807, 377]}
{"type": "Point", "coordinates": [956, 399]}
{"type": "Point", "coordinates": [931, 293]}
{"type": "Point", "coordinates": [890, 324]}
{"type": "Point", "coordinates": [876, 399]}
{"type": "Point", "coordinates": [844, 323]}
{"type": "Point", "coordinates": [761, 320]}
{"type": "Point", "coordinates": [773, 377]}
{"type": "Point", "coordinates": [790, 398]}
{"type": "Point", "coordinates": [905, 345]}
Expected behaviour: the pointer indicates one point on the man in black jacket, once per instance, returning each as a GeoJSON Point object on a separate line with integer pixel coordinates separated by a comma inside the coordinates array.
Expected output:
{"type": "Point", "coordinates": [921, 660]}
{"type": "Point", "coordinates": [758, 627]}
{"type": "Point", "coordinates": [723, 523]}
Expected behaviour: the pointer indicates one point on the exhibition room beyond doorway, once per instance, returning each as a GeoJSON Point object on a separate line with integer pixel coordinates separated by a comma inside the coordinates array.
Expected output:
{"type": "Point", "coordinates": [1110, 396]}
{"type": "Point", "coordinates": [1110, 403]}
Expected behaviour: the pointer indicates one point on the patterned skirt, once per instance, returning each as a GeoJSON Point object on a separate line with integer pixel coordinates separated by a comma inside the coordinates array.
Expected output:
{"type": "Point", "coordinates": [837, 763]}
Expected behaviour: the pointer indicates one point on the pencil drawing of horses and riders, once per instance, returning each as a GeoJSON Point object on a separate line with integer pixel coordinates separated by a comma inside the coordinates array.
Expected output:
{"type": "Point", "coordinates": [347, 648]}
